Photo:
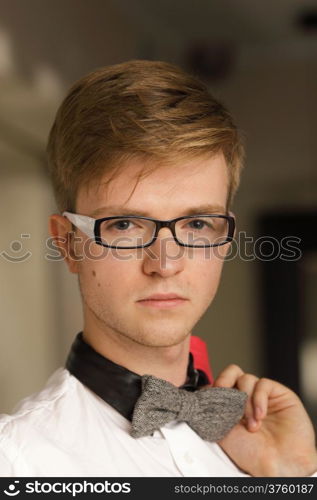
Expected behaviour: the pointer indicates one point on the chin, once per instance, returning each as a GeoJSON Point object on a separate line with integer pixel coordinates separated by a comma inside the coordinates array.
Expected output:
{"type": "Point", "coordinates": [161, 345]}
{"type": "Point", "coordinates": [162, 337]}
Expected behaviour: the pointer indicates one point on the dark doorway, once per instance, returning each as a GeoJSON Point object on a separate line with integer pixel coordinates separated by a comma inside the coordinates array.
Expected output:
{"type": "Point", "coordinates": [289, 302]}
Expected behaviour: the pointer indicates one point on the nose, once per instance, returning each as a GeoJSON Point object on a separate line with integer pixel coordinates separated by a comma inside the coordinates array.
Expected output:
{"type": "Point", "coordinates": [164, 257]}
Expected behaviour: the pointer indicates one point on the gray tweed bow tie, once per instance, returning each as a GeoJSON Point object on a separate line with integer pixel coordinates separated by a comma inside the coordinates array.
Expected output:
{"type": "Point", "coordinates": [211, 412]}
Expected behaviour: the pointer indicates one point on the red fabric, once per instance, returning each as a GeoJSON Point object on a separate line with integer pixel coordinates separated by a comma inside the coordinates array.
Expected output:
{"type": "Point", "coordinates": [198, 348]}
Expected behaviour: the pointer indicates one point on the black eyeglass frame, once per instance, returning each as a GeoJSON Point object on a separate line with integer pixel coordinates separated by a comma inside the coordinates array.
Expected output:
{"type": "Point", "coordinates": [165, 223]}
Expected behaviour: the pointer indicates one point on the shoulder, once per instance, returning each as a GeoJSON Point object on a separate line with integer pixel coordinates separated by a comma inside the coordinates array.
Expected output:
{"type": "Point", "coordinates": [34, 406]}
{"type": "Point", "coordinates": [37, 414]}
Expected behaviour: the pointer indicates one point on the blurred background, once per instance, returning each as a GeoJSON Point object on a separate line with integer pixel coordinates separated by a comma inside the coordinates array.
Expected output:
{"type": "Point", "coordinates": [260, 59]}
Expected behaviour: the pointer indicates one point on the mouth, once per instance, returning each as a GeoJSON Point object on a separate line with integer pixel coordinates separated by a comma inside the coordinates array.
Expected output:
{"type": "Point", "coordinates": [163, 301]}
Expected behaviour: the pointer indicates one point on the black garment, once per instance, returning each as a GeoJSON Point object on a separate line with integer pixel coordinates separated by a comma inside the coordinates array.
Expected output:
{"type": "Point", "coordinates": [115, 384]}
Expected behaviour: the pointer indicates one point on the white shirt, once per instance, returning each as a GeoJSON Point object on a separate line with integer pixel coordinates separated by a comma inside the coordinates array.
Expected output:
{"type": "Point", "coordinates": [67, 430]}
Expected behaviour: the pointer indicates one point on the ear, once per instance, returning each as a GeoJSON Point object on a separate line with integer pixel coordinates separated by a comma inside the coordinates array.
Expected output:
{"type": "Point", "coordinates": [60, 229]}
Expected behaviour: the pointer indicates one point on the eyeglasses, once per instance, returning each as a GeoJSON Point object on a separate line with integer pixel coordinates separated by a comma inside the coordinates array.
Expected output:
{"type": "Point", "coordinates": [130, 231]}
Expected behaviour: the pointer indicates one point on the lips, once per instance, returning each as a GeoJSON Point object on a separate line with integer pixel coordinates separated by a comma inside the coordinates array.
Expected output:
{"type": "Point", "coordinates": [163, 296]}
{"type": "Point", "coordinates": [163, 301]}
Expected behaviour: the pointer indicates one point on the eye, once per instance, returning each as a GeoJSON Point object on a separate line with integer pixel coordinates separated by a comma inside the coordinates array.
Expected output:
{"type": "Point", "coordinates": [116, 225]}
{"type": "Point", "coordinates": [120, 224]}
{"type": "Point", "coordinates": [199, 224]}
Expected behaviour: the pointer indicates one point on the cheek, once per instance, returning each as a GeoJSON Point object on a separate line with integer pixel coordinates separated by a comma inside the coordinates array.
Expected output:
{"type": "Point", "coordinates": [109, 274]}
{"type": "Point", "coordinates": [206, 271]}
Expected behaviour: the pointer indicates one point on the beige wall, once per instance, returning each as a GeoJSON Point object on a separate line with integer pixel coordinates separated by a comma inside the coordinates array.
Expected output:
{"type": "Point", "coordinates": [28, 347]}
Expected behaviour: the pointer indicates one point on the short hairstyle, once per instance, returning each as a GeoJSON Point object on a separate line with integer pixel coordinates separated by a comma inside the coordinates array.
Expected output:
{"type": "Point", "coordinates": [150, 110]}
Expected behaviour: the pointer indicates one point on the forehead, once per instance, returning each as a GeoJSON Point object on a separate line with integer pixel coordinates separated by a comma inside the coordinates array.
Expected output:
{"type": "Point", "coordinates": [167, 190]}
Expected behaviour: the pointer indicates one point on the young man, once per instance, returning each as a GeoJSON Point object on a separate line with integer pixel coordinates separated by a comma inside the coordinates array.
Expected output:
{"type": "Point", "coordinates": [145, 163]}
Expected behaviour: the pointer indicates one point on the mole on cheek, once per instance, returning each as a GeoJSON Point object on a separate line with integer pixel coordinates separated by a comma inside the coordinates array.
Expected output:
{"type": "Point", "coordinates": [98, 284]}
{"type": "Point", "coordinates": [94, 273]}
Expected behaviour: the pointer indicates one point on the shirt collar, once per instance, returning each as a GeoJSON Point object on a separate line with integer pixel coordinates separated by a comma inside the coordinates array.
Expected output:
{"type": "Point", "coordinates": [115, 384]}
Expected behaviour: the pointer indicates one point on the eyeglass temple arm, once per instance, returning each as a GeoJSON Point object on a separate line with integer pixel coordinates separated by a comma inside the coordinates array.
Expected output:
{"type": "Point", "coordinates": [83, 222]}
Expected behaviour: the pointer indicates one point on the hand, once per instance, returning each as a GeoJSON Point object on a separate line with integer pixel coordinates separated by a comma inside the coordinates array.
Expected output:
{"type": "Point", "coordinates": [275, 436]}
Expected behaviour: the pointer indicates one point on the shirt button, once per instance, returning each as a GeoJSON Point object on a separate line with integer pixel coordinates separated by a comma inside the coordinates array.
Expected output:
{"type": "Point", "coordinates": [188, 458]}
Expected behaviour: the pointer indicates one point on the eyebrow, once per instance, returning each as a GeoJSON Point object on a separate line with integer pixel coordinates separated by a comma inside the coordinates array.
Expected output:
{"type": "Point", "coordinates": [115, 210]}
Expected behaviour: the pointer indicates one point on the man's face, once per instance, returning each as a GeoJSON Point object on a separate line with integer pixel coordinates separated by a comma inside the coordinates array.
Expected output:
{"type": "Point", "coordinates": [114, 283]}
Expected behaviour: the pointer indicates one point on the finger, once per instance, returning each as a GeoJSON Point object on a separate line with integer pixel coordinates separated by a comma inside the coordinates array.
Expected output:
{"type": "Point", "coordinates": [229, 376]}
{"type": "Point", "coordinates": [233, 376]}
{"type": "Point", "coordinates": [267, 389]}
{"type": "Point", "coordinates": [248, 384]}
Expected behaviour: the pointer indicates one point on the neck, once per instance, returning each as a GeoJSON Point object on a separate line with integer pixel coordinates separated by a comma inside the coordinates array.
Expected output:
{"type": "Point", "coordinates": [166, 362]}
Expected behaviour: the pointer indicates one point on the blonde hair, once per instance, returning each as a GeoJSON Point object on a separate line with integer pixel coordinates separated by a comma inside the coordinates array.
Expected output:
{"type": "Point", "coordinates": [138, 109]}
